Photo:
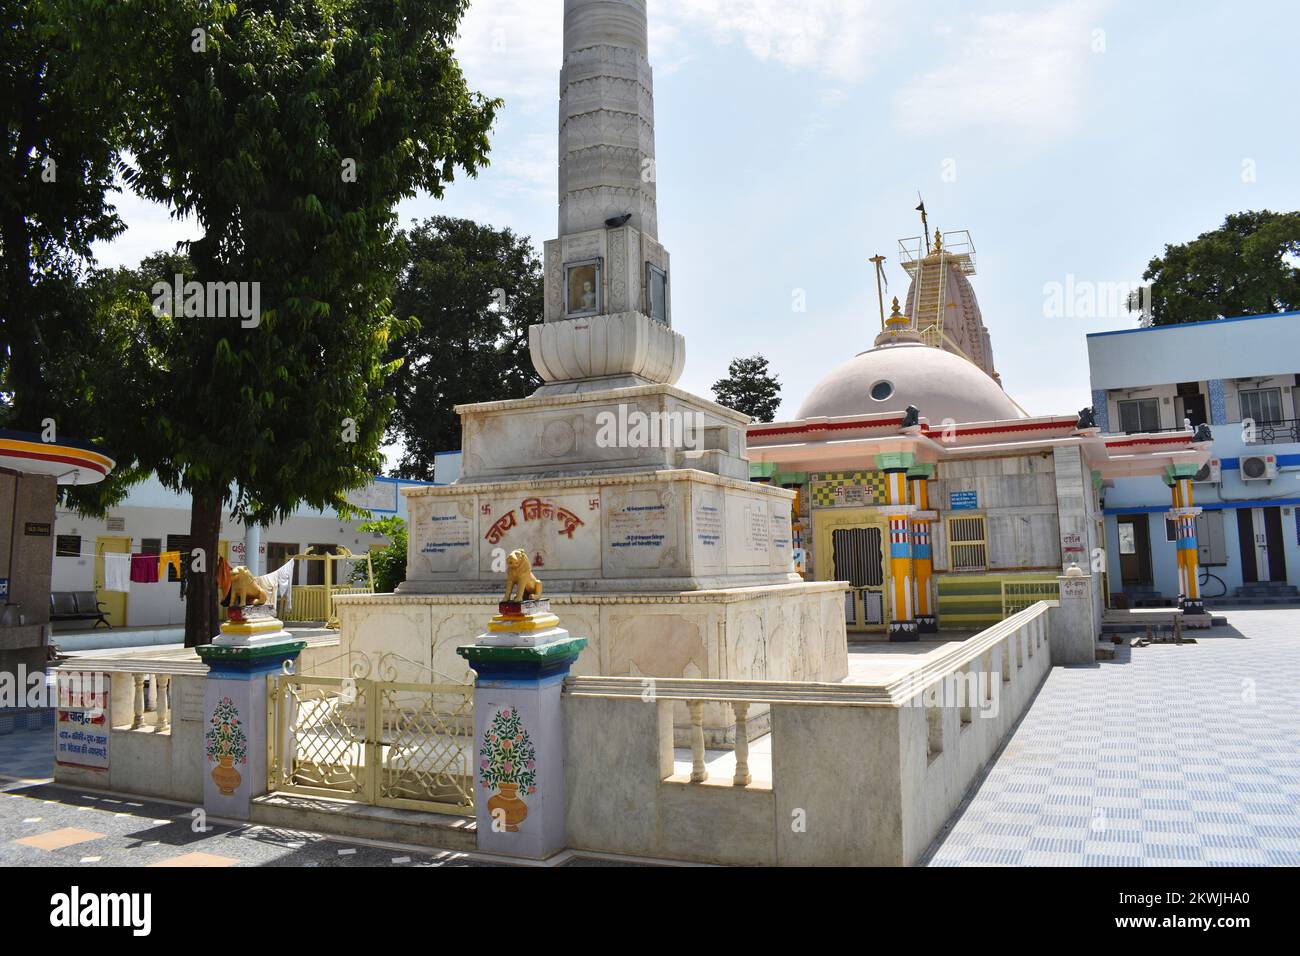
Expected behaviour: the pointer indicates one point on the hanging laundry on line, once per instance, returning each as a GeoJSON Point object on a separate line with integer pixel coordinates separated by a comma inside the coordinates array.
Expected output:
{"type": "Point", "coordinates": [117, 572]}
{"type": "Point", "coordinates": [144, 568]}
{"type": "Point", "coordinates": [168, 559]}
{"type": "Point", "coordinates": [278, 585]}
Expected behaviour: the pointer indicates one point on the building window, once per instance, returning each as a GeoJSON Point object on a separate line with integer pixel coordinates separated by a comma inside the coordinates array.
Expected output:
{"type": "Point", "coordinates": [1139, 415]}
{"type": "Point", "coordinates": [656, 293]}
{"type": "Point", "coordinates": [882, 390]}
{"type": "Point", "coordinates": [967, 543]}
{"type": "Point", "coordinates": [181, 543]}
{"type": "Point", "coordinates": [150, 545]}
{"type": "Point", "coordinates": [582, 288]}
{"type": "Point", "coordinates": [1261, 405]}
{"type": "Point", "coordinates": [67, 546]}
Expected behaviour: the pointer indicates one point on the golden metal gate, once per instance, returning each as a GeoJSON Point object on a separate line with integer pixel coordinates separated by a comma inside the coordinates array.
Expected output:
{"type": "Point", "coordinates": [1020, 594]}
{"type": "Point", "coordinates": [387, 743]}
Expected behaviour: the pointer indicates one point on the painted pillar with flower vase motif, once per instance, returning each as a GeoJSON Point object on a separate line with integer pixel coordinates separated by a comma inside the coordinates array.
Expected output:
{"type": "Point", "coordinates": [520, 664]}
{"type": "Point", "coordinates": [252, 644]}
{"type": "Point", "coordinates": [898, 512]}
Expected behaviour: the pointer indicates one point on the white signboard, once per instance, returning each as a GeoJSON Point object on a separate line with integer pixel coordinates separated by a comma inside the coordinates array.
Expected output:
{"type": "Point", "coordinates": [191, 704]}
{"type": "Point", "coordinates": [708, 529]}
{"type": "Point", "coordinates": [81, 720]}
{"type": "Point", "coordinates": [442, 535]}
{"type": "Point", "coordinates": [379, 495]}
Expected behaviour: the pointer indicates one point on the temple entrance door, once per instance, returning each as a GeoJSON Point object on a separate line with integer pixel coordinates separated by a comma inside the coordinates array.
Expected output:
{"type": "Point", "coordinates": [1193, 408]}
{"type": "Point", "coordinates": [857, 557]}
{"type": "Point", "coordinates": [1260, 536]}
{"type": "Point", "coordinates": [1134, 550]}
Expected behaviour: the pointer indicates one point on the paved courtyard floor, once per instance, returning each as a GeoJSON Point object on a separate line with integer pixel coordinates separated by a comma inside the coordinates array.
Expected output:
{"type": "Point", "coordinates": [1168, 755]}
{"type": "Point", "coordinates": [42, 824]}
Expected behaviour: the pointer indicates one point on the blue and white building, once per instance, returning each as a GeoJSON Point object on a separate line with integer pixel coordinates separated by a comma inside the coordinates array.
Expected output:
{"type": "Point", "coordinates": [1242, 377]}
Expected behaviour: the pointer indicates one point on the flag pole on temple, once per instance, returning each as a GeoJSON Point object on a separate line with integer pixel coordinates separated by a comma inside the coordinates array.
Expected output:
{"type": "Point", "coordinates": [925, 225]}
{"type": "Point", "coordinates": [880, 271]}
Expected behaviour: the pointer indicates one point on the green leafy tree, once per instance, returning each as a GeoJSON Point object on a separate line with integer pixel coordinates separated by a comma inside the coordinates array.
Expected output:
{"type": "Point", "coordinates": [1250, 265]}
{"type": "Point", "coordinates": [56, 179]}
{"type": "Point", "coordinates": [288, 130]}
{"type": "Point", "coordinates": [475, 291]}
{"type": "Point", "coordinates": [388, 562]}
{"type": "Point", "coordinates": [749, 388]}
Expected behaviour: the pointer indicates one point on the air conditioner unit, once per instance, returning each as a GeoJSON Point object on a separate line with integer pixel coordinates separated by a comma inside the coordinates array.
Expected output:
{"type": "Point", "coordinates": [1258, 468]}
{"type": "Point", "coordinates": [1211, 471]}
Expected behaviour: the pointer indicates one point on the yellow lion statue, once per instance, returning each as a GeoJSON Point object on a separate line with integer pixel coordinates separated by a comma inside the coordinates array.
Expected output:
{"type": "Point", "coordinates": [244, 589]}
{"type": "Point", "coordinates": [520, 579]}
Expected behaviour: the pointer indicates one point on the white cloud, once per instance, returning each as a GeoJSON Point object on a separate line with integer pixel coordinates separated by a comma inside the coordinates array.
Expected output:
{"type": "Point", "coordinates": [532, 166]}
{"type": "Point", "coordinates": [512, 48]}
{"type": "Point", "coordinates": [832, 37]}
{"type": "Point", "coordinates": [1014, 72]}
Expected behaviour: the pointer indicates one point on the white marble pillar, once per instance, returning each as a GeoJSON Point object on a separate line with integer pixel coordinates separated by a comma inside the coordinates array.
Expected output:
{"type": "Point", "coordinates": [607, 141]}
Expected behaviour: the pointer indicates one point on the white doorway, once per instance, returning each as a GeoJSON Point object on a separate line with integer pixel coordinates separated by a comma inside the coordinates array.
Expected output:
{"type": "Point", "coordinates": [1261, 544]}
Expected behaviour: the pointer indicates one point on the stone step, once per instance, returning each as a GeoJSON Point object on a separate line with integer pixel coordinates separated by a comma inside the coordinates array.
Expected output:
{"type": "Point", "coordinates": [1252, 601]}
{"type": "Point", "coordinates": [347, 818]}
{"type": "Point", "coordinates": [1135, 627]}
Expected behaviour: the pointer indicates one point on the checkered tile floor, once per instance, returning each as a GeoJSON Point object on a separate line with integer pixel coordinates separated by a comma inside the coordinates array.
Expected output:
{"type": "Point", "coordinates": [28, 754]}
{"type": "Point", "coordinates": [1167, 756]}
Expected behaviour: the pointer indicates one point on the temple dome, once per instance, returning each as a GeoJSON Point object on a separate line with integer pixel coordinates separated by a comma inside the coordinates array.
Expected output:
{"type": "Point", "coordinates": [888, 378]}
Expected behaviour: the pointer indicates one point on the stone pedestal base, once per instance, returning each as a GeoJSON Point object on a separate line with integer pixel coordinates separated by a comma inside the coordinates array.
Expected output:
{"type": "Point", "coordinates": [581, 354]}
{"type": "Point", "coordinates": [927, 624]}
{"type": "Point", "coordinates": [676, 530]}
{"type": "Point", "coordinates": [903, 631]}
{"type": "Point", "coordinates": [519, 745]}
{"type": "Point", "coordinates": [1074, 627]}
{"type": "Point", "coordinates": [234, 708]}
{"type": "Point", "coordinates": [617, 426]}
{"type": "Point", "coordinates": [786, 632]}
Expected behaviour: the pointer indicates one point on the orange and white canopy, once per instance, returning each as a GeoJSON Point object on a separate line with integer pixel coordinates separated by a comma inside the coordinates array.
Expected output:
{"type": "Point", "coordinates": [69, 462]}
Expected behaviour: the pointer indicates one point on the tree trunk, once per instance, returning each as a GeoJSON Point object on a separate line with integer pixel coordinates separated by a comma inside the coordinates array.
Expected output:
{"type": "Point", "coordinates": [202, 611]}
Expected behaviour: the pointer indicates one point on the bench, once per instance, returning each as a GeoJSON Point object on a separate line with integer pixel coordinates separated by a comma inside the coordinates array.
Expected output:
{"type": "Point", "coordinates": [77, 606]}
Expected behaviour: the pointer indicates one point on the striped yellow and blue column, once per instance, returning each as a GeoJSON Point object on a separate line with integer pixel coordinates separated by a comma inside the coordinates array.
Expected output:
{"type": "Point", "coordinates": [1183, 514]}
{"type": "Point", "coordinates": [902, 626]}
{"type": "Point", "coordinates": [918, 477]}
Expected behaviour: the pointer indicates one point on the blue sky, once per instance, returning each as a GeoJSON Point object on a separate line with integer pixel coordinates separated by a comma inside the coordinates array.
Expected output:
{"type": "Point", "coordinates": [1071, 139]}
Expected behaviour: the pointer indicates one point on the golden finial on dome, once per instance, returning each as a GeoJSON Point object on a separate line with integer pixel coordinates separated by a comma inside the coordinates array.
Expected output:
{"type": "Point", "coordinates": [938, 241]}
{"type": "Point", "coordinates": [897, 320]}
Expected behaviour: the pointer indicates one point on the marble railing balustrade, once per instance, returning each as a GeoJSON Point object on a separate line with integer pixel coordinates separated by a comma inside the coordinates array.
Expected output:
{"type": "Point", "coordinates": [130, 708]}
{"type": "Point", "coordinates": [861, 774]}
{"type": "Point", "coordinates": [152, 751]}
